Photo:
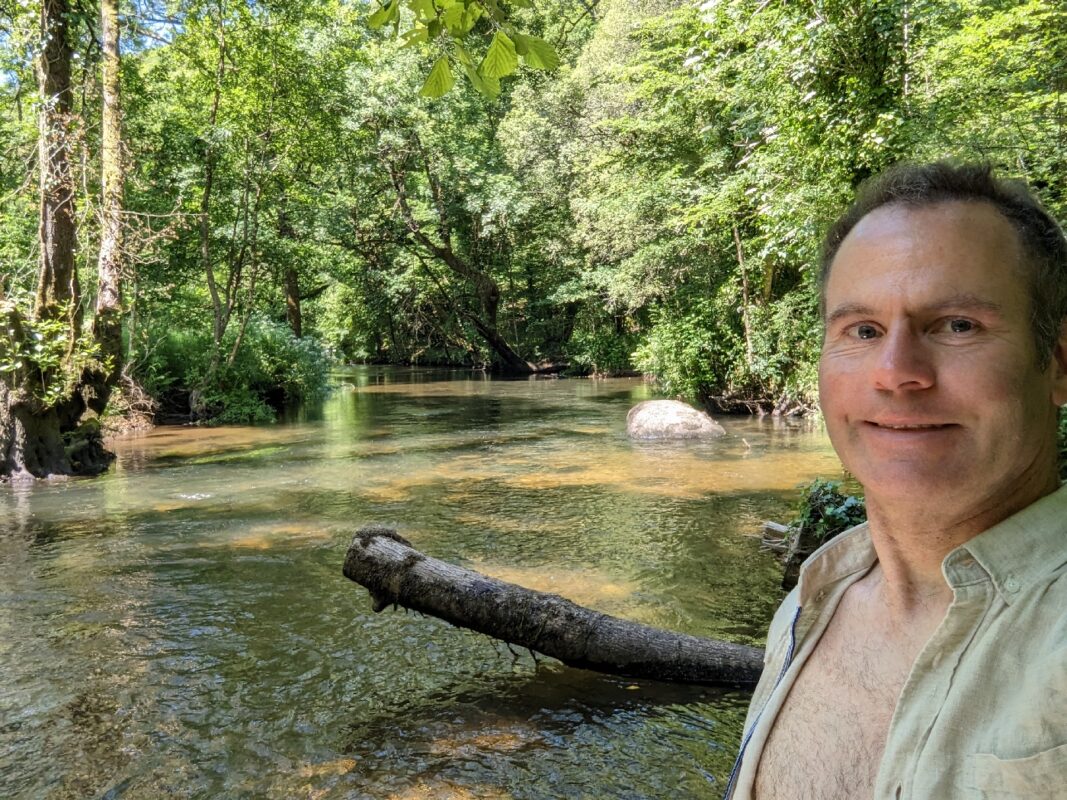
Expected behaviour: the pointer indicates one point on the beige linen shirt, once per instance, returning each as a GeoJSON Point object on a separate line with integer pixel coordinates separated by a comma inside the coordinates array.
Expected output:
{"type": "Point", "coordinates": [983, 712]}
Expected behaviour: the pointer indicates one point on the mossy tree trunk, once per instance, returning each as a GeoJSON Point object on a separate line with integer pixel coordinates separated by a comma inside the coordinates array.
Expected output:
{"type": "Point", "coordinates": [41, 430]}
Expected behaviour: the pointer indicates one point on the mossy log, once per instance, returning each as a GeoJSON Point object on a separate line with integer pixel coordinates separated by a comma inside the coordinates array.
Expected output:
{"type": "Point", "coordinates": [396, 574]}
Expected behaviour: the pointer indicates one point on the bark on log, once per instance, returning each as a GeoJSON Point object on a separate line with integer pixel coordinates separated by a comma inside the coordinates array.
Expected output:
{"type": "Point", "coordinates": [398, 575]}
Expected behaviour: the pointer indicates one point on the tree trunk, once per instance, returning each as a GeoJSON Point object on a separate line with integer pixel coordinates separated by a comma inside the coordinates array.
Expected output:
{"type": "Point", "coordinates": [31, 440]}
{"type": "Point", "coordinates": [206, 257]}
{"type": "Point", "coordinates": [485, 286]}
{"type": "Point", "coordinates": [749, 357]}
{"type": "Point", "coordinates": [57, 280]}
{"type": "Point", "coordinates": [41, 435]}
{"type": "Point", "coordinates": [107, 322]}
{"type": "Point", "coordinates": [290, 278]}
{"type": "Point", "coordinates": [396, 574]}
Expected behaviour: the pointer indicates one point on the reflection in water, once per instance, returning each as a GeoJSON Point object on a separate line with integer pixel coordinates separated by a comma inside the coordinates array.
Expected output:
{"type": "Point", "coordinates": [180, 628]}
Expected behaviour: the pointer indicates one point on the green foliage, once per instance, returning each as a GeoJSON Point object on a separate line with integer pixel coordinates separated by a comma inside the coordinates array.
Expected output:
{"type": "Point", "coordinates": [500, 59]}
{"type": "Point", "coordinates": [688, 351]}
{"type": "Point", "coordinates": [272, 370]}
{"type": "Point", "coordinates": [647, 190]}
{"type": "Point", "coordinates": [601, 352]}
{"type": "Point", "coordinates": [439, 81]}
{"type": "Point", "coordinates": [37, 355]}
{"type": "Point", "coordinates": [824, 511]}
{"type": "Point", "coordinates": [448, 25]}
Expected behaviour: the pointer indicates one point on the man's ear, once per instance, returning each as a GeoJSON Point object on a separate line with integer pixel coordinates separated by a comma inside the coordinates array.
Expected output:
{"type": "Point", "coordinates": [1059, 368]}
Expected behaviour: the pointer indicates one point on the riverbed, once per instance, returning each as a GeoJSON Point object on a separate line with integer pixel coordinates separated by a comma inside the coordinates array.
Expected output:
{"type": "Point", "coordinates": [180, 627]}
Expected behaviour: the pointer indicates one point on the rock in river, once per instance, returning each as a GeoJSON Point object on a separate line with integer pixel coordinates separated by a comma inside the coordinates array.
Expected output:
{"type": "Point", "coordinates": [670, 419]}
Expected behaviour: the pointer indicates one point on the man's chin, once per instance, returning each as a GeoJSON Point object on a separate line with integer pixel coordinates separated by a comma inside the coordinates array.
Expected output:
{"type": "Point", "coordinates": [913, 484]}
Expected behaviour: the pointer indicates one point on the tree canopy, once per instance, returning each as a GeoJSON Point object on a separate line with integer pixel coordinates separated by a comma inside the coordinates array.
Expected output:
{"type": "Point", "coordinates": [591, 186]}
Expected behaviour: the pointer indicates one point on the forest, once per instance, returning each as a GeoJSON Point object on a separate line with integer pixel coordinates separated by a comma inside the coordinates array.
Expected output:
{"type": "Point", "coordinates": [205, 204]}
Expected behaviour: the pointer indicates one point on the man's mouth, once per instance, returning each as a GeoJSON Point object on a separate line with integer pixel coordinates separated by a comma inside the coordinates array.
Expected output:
{"type": "Point", "coordinates": [911, 426]}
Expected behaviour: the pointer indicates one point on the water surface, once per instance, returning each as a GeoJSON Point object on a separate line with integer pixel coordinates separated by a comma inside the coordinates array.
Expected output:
{"type": "Point", "coordinates": [180, 626]}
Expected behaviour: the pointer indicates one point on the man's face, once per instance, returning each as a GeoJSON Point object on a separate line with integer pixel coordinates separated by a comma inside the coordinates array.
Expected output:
{"type": "Point", "coordinates": [928, 377]}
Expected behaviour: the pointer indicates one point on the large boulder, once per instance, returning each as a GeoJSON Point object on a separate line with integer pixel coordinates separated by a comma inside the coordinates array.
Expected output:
{"type": "Point", "coordinates": [670, 419]}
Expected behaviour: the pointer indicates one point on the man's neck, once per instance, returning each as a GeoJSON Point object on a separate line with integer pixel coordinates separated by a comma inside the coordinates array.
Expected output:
{"type": "Point", "coordinates": [912, 540]}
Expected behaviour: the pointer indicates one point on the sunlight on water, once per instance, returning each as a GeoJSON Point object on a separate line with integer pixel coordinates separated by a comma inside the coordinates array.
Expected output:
{"type": "Point", "coordinates": [180, 628]}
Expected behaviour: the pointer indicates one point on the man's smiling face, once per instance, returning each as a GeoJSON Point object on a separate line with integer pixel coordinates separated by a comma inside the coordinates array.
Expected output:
{"type": "Point", "coordinates": [928, 377]}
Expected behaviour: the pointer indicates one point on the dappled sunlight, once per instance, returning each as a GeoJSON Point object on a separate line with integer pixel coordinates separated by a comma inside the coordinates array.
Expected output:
{"type": "Point", "coordinates": [501, 524]}
{"type": "Point", "coordinates": [191, 441]}
{"type": "Point", "coordinates": [480, 738]}
{"type": "Point", "coordinates": [264, 537]}
{"type": "Point", "coordinates": [340, 766]}
{"type": "Point", "coordinates": [671, 471]}
{"type": "Point", "coordinates": [442, 789]}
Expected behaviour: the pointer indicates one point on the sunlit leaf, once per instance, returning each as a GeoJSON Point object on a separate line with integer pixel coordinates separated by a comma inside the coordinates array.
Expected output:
{"type": "Point", "coordinates": [463, 56]}
{"type": "Point", "coordinates": [423, 9]}
{"type": "Point", "coordinates": [418, 35]}
{"type": "Point", "coordinates": [385, 15]}
{"type": "Point", "coordinates": [453, 19]}
{"type": "Point", "coordinates": [537, 53]}
{"type": "Point", "coordinates": [501, 59]}
{"type": "Point", "coordinates": [490, 87]}
{"type": "Point", "coordinates": [439, 81]}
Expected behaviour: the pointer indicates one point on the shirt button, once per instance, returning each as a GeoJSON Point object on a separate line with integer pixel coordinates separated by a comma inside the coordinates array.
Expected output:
{"type": "Point", "coordinates": [1011, 585]}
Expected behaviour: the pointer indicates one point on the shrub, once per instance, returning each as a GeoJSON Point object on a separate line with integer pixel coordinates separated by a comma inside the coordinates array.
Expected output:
{"type": "Point", "coordinates": [272, 369]}
{"type": "Point", "coordinates": [602, 352]}
{"type": "Point", "coordinates": [690, 353]}
{"type": "Point", "coordinates": [825, 511]}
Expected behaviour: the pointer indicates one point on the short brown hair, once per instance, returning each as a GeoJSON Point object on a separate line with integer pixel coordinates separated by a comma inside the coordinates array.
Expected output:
{"type": "Point", "coordinates": [923, 185]}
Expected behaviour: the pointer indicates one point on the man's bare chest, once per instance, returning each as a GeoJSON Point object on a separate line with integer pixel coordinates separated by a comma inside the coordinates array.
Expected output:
{"type": "Point", "coordinates": [829, 736]}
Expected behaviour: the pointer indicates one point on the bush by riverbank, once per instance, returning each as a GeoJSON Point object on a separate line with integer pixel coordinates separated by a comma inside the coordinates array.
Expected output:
{"type": "Point", "coordinates": [270, 369]}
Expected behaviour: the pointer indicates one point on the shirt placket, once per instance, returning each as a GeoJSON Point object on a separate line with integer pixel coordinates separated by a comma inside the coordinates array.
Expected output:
{"type": "Point", "coordinates": [929, 682]}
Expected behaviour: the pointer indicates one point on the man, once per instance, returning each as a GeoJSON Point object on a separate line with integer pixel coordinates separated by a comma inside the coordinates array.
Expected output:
{"type": "Point", "coordinates": [924, 653]}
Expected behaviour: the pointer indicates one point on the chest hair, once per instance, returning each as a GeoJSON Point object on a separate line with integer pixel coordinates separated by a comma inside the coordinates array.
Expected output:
{"type": "Point", "coordinates": [828, 739]}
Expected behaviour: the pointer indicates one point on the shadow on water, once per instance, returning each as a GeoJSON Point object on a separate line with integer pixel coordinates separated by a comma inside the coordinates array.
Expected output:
{"type": "Point", "coordinates": [179, 627]}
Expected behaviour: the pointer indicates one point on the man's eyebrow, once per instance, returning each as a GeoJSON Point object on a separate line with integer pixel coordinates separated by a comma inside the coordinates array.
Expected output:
{"type": "Point", "coordinates": [964, 301]}
{"type": "Point", "coordinates": [848, 310]}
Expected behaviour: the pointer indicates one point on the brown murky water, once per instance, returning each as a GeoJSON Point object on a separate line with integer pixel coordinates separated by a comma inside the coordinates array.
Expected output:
{"type": "Point", "coordinates": [180, 627]}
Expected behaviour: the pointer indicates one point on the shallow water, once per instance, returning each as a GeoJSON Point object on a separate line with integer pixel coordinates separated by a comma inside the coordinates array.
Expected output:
{"type": "Point", "coordinates": [180, 626]}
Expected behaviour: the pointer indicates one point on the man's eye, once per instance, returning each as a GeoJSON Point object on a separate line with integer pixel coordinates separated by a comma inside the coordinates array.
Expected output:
{"type": "Point", "coordinates": [864, 331]}
{"type": "Point", "coordinates": [960, 325]}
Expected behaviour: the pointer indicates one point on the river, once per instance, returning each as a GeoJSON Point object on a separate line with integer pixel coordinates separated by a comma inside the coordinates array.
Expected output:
{"type": "Point", "coordinates": [180, 627]}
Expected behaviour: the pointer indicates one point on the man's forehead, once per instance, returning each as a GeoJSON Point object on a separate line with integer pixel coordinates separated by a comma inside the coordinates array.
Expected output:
{"type": "Point", "coordinates": [979, 220]}
{"type": "Point", "coordinates": [956, 254]}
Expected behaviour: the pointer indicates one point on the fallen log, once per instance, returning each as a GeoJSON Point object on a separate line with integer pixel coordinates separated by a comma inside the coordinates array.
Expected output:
{"type": "Point", "coordinates": [396, 574]}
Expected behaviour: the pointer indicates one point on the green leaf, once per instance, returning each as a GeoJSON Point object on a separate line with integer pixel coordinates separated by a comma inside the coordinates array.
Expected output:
{"type": "Point", "coordinates": [490, 87]}
{"type": "Point", "coordinates": [423, 9]}
{"type": "Point", "coordinates": [453, 19]}
{"type": "Point", "coordinates": [537, 53]}
{"type": "Point", "coordinates": [463, 56]}
{"type": "Point", "coordinates": [385, 15]}
{"type": "Point", "coordinates": [439, 81]}
{"type": "Point", "coordinates": [474, 13]}
{"type": "Point", "coordinates": [416, 35]}
{"type": "Point", "coordinates": [501, 60]}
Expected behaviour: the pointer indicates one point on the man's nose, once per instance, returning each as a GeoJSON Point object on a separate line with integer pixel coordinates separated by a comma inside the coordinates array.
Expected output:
{"type": "Point", "coordinates": [903, 361]}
